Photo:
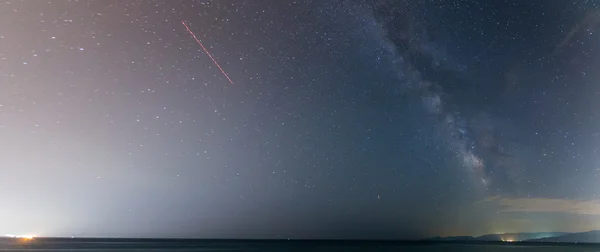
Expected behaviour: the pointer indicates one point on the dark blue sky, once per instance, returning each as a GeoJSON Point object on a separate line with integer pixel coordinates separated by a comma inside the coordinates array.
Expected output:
{"type": "Point", "coordinates": [345, 119]}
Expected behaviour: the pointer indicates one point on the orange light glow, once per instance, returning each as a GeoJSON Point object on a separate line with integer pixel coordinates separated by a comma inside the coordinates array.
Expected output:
{"type": "Point", "coordinates": [21, 237]}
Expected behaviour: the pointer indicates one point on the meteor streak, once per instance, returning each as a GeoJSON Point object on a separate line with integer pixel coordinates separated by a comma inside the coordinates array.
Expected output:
{"type": "Point", "coordinates": [209, 55]}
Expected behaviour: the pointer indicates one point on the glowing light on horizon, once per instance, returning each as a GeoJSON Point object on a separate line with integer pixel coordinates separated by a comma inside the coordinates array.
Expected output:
{"type": "Point", "coordinates": [25, 237]}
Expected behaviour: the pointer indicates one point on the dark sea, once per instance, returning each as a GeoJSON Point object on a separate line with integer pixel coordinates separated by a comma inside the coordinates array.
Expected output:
{"type": "Point", "coordinates": [113, 245]}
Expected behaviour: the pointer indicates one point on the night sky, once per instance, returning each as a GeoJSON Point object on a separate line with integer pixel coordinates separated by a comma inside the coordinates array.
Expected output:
{"type": "Point", "coordinates": [345, 119]}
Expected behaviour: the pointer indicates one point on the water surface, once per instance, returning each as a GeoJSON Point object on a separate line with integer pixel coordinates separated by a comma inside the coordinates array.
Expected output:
{"type": "Point", "coordinates": [97, 245]}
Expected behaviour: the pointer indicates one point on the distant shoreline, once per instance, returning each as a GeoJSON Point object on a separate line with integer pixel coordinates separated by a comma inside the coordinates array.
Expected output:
{"type": "Point", "coordinates": [183, 241]}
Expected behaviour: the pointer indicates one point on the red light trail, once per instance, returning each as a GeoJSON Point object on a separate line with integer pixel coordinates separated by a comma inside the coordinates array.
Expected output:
{"type": "Point", "coordinates": [204, 48]}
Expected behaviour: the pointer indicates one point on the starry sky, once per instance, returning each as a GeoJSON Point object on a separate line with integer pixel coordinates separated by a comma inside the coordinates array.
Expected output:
{"type": "Point", "coordinates": [372, 119]}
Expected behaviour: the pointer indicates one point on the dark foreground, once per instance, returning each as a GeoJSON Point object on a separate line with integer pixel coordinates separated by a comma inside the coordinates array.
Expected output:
{"type": "Point", "coordinates": [96, 245]}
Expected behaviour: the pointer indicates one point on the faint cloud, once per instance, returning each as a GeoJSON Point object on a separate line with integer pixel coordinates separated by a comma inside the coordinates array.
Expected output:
{"type": "Point", "coordinates": [587, 23]}
{"type": "Point", "coordinates": [548, 205]}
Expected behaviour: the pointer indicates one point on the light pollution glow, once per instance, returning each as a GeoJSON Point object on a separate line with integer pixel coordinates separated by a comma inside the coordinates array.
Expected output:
{"type": "Point", "coordinates": [26, 237]}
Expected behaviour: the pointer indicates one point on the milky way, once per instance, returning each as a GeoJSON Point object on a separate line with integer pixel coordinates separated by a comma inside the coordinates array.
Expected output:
{"type": "Point", "coordinates": [472, 135]}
